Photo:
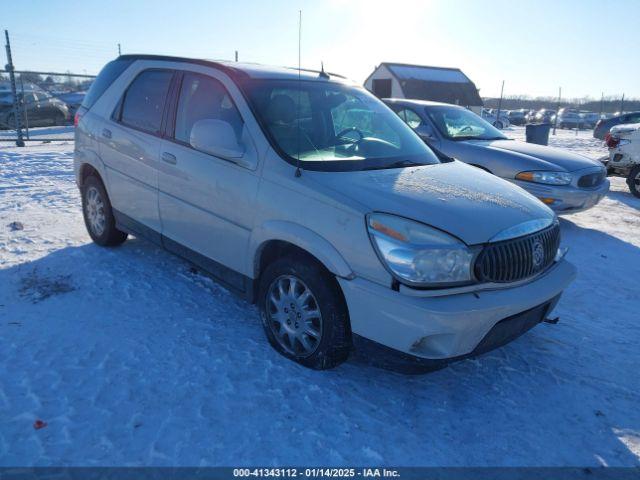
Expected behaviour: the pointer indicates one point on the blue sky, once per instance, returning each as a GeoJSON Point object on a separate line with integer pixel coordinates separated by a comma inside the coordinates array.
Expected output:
{"type": "Point", "coordinates": [586, 46]}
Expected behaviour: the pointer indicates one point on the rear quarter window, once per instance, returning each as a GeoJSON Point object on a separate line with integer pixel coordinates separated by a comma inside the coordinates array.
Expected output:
{"type": "Point", "coordinates": [109, 73]}
{"type": "Point", "coordinates": [144, 100]}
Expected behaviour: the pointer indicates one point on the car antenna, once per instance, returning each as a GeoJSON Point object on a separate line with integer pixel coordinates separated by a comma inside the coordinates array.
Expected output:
{"type": "Point", "coordinates": [323, 74]}
{"type": "Point", "coordinates": [298, 170]}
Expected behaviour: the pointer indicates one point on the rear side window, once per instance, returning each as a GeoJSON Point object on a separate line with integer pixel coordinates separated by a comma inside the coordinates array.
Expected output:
{"type": "Point", "coordinates": [105, 78]}
{"type": "Point", "coordinates": [144, 100]}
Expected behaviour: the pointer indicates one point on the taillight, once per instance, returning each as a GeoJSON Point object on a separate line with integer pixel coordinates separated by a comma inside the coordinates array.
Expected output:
{"type": "Point", "coordinates": [611, 141]}
{"type": "Point", "coordinates": [78, 116]}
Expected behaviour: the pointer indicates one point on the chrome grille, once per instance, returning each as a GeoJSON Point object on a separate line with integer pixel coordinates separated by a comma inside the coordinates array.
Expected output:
{"type": "Point", "coordinates": [592, 179]}
{"type": "Point", "coordinates": [519, 258]}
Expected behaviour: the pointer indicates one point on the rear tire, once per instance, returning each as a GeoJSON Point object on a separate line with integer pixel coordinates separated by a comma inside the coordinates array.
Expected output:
{"type": "Point", "coordinates": [633, 180]}
{"type": "Point", "coordinates": [98, 215]}
{"type": "Point", "coordinates": [313, 331]}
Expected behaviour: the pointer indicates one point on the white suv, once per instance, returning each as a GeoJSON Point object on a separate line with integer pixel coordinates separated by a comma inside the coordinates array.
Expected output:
{"type": "Point", "coordinates": [306, 194]}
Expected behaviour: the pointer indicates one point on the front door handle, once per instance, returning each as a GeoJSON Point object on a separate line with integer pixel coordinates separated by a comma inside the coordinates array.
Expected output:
{"type": "Point", "coordinates": [169, 158]}
{"type": "Point", "coordinates": [106, 133]}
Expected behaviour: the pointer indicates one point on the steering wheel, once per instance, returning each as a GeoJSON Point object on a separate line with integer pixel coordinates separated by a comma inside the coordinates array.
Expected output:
{"type": "Point", "coordinates": [342, 134]}
{"type": "Point", "coordinates": [466, 129]}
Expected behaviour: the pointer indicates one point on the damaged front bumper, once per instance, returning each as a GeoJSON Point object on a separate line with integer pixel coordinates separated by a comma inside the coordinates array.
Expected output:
{"type": "Point", "coordinates": [439, 329]}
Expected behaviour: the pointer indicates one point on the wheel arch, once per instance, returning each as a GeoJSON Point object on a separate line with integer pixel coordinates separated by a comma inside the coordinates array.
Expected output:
{"type": "Point", "coordinates": [481, 168]}
{"type": "Point", "coordinates": [278, 237]}
{"type": "Point", "coordinates": [88, 162]}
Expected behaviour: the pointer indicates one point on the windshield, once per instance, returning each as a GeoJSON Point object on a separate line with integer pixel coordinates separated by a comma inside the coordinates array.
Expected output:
{"type": "Point", "coordinates": [329, 126]}
{"type": "Point", "coordinates": [457, 123]}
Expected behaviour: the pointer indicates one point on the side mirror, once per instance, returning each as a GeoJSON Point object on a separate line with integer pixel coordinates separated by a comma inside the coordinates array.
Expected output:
{"type": "Point", "coordinates": [217, 138]}
{"type": "Point", "coordinates": [425, 131]}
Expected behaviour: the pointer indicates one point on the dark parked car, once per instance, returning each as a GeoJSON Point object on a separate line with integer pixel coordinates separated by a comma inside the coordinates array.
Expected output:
{"type": "Point", "coordinates": [41, 109]}
{"type": "Point", "coordinates": [604, 126]}
{"type": "Point", "coordinates": [72, 100]}
{"type": "Point", "coordinates": [517, 117]}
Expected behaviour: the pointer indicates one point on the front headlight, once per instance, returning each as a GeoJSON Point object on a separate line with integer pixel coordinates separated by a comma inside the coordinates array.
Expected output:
{"type": "Point", "coordinates": [548, 178]}
{"type": "Point", "coordinates": [419, 255]}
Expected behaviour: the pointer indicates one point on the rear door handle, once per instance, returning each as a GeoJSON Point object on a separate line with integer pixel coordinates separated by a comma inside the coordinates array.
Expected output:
{"type": "Point", "coordinates": [169, 158]}
{"type": "Point", "coordinates": [106, 133]}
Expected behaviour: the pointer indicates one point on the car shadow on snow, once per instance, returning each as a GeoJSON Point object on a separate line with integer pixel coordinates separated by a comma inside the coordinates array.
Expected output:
{"type": "Point", "coordinates": [624, 197]}
{"type": "Point", "coordinates": [133, 333]}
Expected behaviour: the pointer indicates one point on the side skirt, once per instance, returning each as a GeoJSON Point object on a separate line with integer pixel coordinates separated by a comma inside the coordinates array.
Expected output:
{"type": "Point", "coordinates": [232, 280]}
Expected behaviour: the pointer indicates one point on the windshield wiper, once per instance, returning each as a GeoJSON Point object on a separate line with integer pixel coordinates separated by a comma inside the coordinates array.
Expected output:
{"type": "Point", "coordinates": [398, 164]}
{"type": "Point", "coordinates": [473, 137]}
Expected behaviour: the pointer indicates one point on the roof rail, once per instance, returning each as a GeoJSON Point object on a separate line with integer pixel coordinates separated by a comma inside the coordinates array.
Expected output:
{"type": "Point", "coordinates": [209, 63]}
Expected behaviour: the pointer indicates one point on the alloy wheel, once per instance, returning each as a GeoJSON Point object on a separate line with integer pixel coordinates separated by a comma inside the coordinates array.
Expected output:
{"type": "Point", "coordinates": [293, 315]}
{"type": "Point", "coordinates": [94, 210]}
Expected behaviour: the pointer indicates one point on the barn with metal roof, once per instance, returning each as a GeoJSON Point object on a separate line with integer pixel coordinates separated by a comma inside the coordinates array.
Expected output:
{"type": "Point", "coordinates": [438, 84]}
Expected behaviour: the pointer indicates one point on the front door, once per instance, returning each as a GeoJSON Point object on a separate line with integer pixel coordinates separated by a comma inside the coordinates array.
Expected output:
{"type": "Point", "coordinates": [206, 202]}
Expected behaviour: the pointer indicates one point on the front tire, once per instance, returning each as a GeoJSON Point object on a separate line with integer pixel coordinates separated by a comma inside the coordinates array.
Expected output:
{"type": "Point", "coordinates": [633, 180]}
{"type": "Point", "coordinates": [303, 312]}
{"type": "Point", "coordinates": [98, 215]}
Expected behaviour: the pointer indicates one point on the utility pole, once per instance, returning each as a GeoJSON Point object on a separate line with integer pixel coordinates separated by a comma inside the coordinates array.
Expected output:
{"type": "Point", "coordinates": [119, 50]}
{"type": "Point", "coordinates": [601, 104]}
{"type": "Point", "coordinates": [17, 113]}
{"type": "Point", "coordinates": [25, 110]}
{"type": "Point", "coordinates": [622, 105]}
{"type": "Point", "coordinates": [555, 121]}
{"type": "Point", "coordinates": [500, 103]}
{"type": "Point", "coordinates": [236, 55]}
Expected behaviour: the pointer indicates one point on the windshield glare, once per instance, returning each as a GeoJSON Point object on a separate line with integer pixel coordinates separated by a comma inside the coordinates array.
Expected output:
{"type": "Point", "coordinates": [329, 126]}
{"type": "Point", "coordinates": [457, 123]}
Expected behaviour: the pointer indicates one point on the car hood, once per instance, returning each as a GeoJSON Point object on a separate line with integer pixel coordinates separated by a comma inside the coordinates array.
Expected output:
{"type": "Point", "coordinates": [625, 129]}
{"type": "Point", "coordinates": [549, 156]}
{"type": "Point", "coordinates": [460, 199]}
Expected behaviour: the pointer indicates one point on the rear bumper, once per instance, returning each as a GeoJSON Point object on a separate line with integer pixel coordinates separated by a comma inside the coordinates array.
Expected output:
{"type": "Point", "coordinates": [567, 198]}
{"type": "Point", "coordinates": [444, 327]}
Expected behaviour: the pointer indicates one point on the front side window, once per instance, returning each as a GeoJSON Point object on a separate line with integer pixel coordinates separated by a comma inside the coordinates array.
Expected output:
{"type": "Point", "coordinates": [144, 100]}
{"type": "Point", "coordinates": [204, 98]}
{"type": "Point", "coordinates": [333, 127]}
{"type": "Point", "coordinates": [456, 123]}
{"type": "Point", "coordinates": [410, 117]}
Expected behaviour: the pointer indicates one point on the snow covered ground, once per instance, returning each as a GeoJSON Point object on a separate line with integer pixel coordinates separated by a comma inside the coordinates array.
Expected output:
{"type": "Point", "coordinates": [132, 359]}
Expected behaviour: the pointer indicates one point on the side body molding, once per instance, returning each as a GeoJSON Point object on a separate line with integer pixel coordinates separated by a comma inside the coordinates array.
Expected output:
{"type": "Point", "coordinates": [301, 237]}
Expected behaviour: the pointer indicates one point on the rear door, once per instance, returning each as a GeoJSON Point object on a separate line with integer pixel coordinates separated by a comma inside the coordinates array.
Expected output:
{"type": "Point", "coordinates": [130, 146]}
{"type": "Point", "coordinates": [206, 202]}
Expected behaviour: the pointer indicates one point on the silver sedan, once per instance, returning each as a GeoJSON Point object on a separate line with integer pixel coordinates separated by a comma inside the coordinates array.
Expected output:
{"type": "Point", "coordinates": [564, 181]}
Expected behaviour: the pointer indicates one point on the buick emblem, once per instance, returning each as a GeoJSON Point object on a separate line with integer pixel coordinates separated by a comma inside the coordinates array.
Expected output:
{"type": "Point", "coordinates": [537, 249]}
